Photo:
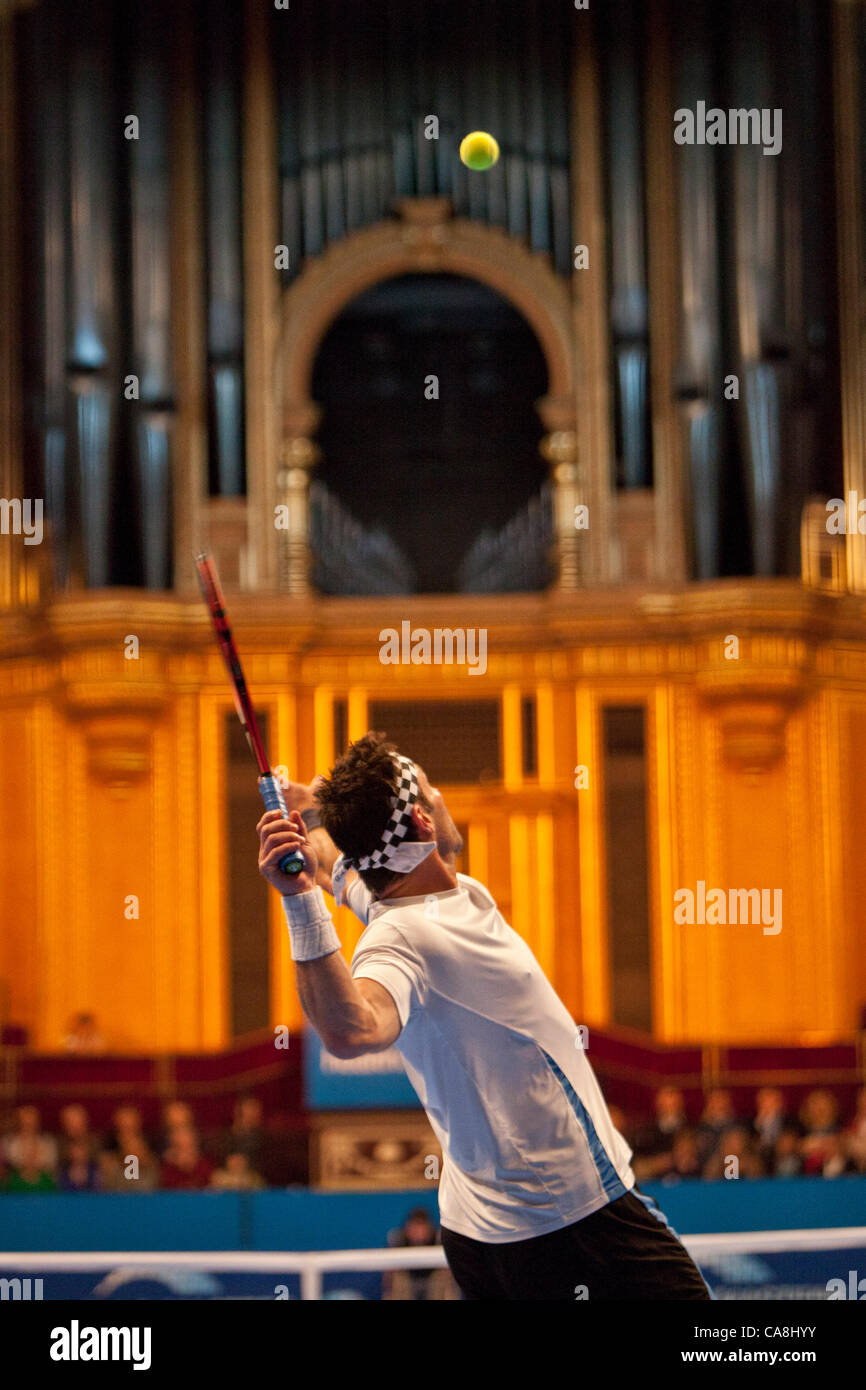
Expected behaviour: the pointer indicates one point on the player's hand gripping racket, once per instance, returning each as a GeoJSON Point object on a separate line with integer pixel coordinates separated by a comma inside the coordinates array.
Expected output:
{"type": "Point", "coordinates": [268, 785]}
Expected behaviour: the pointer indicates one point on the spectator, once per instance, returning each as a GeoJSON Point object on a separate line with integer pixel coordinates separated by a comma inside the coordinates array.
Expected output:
{"type": "Point", "coordinates": [83, 1035]}
{"type": "Point", "coordinates": [29, 1174]}
{"type": "Point", "coordinates": [855, 1134]}
{"type": "Point", "coordinates": [835, 1153]}
{"type": "Point", "coordinates": [819, 1115]}
{"type": "Point", "coordinates": [770, 1119]}
{"type": "Point", "coordinates": [237, 1175]}
{"type": "Point", "coordinates": [718, 1116]}
{"type": "Point", "coordinates": [620, 1121]}
{"type": "Point", "coordinates": [787, 1161]}
{"type": "Point", "coordinates": [27, 1133]}
{"type": "Point", "coordinates": [735, 1155]}
{"type": "Point", "coordinates": [415, 1285]}
{"type": "Point", "coordinates": [653, 1144]}
{"type": "Point", "coordinates": [141, 1171]}
{"type": "Point", "coordinates": [184, 1164]}
{"type": "Point", "coordinates": [670, 1115]}
{"type": "Point", "coordinates": [176, 1116]}
{"type": "Point", "coordinates": [75, 1129]}
{"type": "Point", "coordinates": [79, 1171]}
{"type": "Point", "coordinates": [684, 1158]}
{"type": "Point", "coordinates": [246, 1135]}
{"type": "Point", "coordinates": [128, 1134]}
{"type": "Point", "coordinates": [130, 1164]}
{"type": "Point", "coordinates": [110, 1175]}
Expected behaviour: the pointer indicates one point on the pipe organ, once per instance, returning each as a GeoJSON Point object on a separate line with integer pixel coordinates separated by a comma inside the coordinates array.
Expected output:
{"type": "Point", "coordinates": [201, 206]}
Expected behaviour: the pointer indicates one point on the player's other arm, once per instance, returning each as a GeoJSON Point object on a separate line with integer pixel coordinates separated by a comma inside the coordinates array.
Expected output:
{"type": "Point", "coordinates": [351, 1017]}
{"type": "Point", "coordinates": [300, 797]}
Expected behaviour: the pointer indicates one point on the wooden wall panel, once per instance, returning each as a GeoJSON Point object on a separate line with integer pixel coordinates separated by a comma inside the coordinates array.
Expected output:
{"type": "Point", "coordinates": [112, 782]}
{"type": "Point", "coordinates": [19, 861]}
{"type": "Point", "coordinates": [755, 978]}
{"type": "Point", "coordinates": [850, 924]}
{"type": "Point", "coordinates": [115, 963]}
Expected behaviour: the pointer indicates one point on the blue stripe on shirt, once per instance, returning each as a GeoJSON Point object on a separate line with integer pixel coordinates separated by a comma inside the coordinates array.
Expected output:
{"type": "Point", "coordinates": [610, 1179]}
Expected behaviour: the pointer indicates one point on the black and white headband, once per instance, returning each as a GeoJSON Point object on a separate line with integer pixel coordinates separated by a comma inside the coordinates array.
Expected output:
{"type": "Point", "coordinates": [392, 852]}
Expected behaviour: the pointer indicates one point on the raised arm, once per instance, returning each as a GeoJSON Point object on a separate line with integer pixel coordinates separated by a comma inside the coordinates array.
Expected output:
{"type": "Point", "coordinates": [351, 1017]}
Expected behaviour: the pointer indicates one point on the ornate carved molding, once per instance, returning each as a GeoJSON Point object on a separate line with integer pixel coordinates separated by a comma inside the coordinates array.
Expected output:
{"type": "Point", "coordinates": [118, 722]}
{"type": "Point", "coordinates": [374, 1151]}
{"type": "Point", "coordinates": [423, 238]}
{"type": "Point", "coordinates": [752, 709]}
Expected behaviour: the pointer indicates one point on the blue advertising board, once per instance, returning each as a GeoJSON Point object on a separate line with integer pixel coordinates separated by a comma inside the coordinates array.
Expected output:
{"type": "Point", "coordinates": [767, 1239]}
{"type": "Point", "coordinates": [377, 1080]}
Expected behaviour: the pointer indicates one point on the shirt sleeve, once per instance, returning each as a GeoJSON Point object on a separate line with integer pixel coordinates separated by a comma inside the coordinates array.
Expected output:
{"type": "Point", "coordinates": [385, 956]}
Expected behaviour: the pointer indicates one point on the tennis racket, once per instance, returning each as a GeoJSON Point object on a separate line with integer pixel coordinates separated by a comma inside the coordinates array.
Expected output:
{"type": "Point", "coordinates": [269, 786]}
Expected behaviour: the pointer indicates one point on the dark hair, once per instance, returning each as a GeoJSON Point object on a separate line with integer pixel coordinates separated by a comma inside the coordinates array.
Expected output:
{"type": "Point", "coordinates": [419, 1214]}
{"type": "Point", "coordinates": [356, 803]}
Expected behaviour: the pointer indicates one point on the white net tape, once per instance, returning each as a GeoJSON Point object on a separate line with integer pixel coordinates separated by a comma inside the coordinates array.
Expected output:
{"type": "Point", "coordinates": [312, 1265]}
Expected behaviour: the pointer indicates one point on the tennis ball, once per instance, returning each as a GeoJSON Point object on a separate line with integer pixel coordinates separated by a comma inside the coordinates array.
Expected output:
{"type": "Point", "coordinates": [479, 150]}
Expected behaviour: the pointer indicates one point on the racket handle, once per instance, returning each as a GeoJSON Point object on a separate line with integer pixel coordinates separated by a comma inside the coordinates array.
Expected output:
{"type": "Point", "coordinates": [272, 796]}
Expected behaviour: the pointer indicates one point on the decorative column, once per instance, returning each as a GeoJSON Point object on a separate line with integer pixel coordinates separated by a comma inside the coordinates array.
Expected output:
{"type": "Point", "coordinates": [39, 183]}
{"type": "Point", "coordinates": [590, 317]}
{"type": "Point", "coordinates": [152, 417]}
{"type": "Point", "coordinates": [698, 373]}
{"type": "Point", "coordinates": [358, 719]}
{"type": "Point", "coordinates": [13, 554]}
{"type": "Point", "coordinates": [298, 457]}
{"type": "Point", "coordinates": [560, 449]}
{"type": "Point", "coordinates": [261, 296]}
{"type": "Point", "coordinates": [761, 328]}
{"type": "Point", "coordinates": [93, 330]}
{"type": "Point", "coordinates": [189, 482]}
{"type": "Point", "coordinates": [662, 252]}
{"type": "Point", "coordinates": [629, 309]}
{"type": "Point", "coordinates": [849, 20]}
{"type": "Point", "coordinates": [512, 741]}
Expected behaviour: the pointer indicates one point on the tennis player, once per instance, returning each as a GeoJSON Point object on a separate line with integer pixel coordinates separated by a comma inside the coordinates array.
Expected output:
{"type": "Point", "coordinates": [537, 1200]}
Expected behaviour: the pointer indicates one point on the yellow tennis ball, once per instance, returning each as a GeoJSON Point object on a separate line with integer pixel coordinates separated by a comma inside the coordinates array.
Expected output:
{"type": "Point", "coordinates": [479, 150]}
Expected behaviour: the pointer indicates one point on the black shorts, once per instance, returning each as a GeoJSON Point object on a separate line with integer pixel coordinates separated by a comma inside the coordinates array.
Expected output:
{"type": "Point", "coordinates": [625, 1250]}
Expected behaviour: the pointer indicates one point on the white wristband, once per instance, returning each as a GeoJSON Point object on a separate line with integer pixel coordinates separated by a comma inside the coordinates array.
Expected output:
{"type": "Point", "coordinates": [311, 931]}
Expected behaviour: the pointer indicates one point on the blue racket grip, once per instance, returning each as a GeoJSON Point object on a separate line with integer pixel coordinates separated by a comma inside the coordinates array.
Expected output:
{"type": "Point", "coordinates": [272, 796]}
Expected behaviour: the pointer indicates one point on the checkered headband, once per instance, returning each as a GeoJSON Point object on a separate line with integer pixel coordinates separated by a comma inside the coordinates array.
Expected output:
{"type": "Point", "coordinates": [391, 852]}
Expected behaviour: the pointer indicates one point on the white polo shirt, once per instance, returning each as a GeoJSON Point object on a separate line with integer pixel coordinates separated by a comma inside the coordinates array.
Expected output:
{"type": "Point", "coordinates": [490, 1048]}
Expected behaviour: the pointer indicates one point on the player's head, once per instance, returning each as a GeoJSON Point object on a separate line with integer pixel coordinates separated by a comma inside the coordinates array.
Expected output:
{"type": "Point", "coordinates": [357, 803]}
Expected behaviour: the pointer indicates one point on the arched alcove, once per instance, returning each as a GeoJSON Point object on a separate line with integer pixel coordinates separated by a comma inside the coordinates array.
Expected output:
{"type": "Point", "coordinates": [429, 433]}
{"type": "Point", "coordinates": [423, 239]}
